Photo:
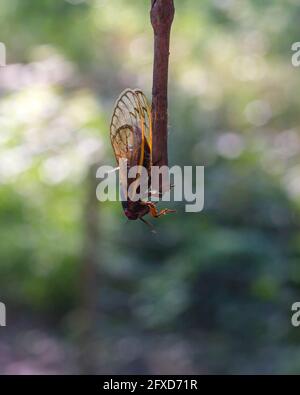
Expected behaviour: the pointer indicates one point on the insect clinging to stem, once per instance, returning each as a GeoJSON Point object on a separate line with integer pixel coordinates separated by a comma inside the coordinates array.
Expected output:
{"type": "Point", "coordinates": [131, 138]}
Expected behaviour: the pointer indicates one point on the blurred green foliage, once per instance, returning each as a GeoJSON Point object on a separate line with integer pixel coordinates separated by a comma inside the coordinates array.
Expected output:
{"type": "Point", "coordinates": [210, 292]}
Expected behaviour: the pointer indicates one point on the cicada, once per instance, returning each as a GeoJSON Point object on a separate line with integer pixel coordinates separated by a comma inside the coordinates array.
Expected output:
{"type": "Point", "coordinates": [131, 139]}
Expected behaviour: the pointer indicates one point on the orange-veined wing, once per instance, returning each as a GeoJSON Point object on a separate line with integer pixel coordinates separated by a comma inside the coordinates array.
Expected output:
{"type": "Point", "coordinates": [131, 127]}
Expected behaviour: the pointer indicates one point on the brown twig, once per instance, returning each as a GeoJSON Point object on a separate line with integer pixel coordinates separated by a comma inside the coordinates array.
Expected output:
{"type": "Point", "coordinates": [162, 15]}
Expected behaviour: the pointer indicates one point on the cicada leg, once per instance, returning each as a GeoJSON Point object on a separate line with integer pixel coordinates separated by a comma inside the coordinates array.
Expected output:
{"type": "Point", "coordinates": [155, 213]}
{"type": "Point", "coordinates": [149, 225]}
{"type": "Point", "coordinates": [163, 212]}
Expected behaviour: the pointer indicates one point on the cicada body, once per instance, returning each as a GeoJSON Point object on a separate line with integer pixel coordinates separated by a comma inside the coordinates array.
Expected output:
{"type": "Point", "coordinates": [131, 138]}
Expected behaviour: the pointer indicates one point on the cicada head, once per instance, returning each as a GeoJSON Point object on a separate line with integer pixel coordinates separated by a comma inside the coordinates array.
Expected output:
{"type": "Point", "coordinates": [134, 210]}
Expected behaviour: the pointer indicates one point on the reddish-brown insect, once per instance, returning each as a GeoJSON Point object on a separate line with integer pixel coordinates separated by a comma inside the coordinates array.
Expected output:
{"type": "Point", "coordinates": [131, 138]}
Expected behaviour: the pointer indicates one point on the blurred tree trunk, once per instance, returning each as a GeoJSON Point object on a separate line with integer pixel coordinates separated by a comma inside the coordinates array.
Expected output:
{"type": "Point", "coordinates": [89, 276]}
{"type": "Point", "coordinates": [162, 15]}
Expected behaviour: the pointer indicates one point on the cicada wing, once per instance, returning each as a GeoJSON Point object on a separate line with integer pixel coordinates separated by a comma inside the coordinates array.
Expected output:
{"type": "Point", "coordinates": [126, 142]}
{"type": "Point", "coordinates": [126, 115]}
{"type": "Point", "coordinates": [131, 130]}
{"type": "Point", "coordinates": [146, 117]}
{"type": "Point", "coordinates": [132, 109]}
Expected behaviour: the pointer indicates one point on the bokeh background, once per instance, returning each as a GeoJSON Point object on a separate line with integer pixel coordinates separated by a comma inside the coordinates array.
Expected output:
{"type": "Point", "coordinates": [211, 292]}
